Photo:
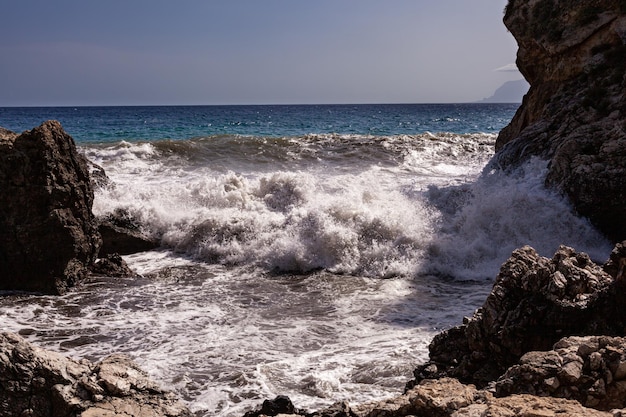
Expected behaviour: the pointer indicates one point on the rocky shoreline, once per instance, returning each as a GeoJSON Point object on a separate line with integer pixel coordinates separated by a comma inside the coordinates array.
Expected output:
{"type": "Point", "coordinates": [549, 339]}
{"type": "Point", "coordinates": [39, 383]}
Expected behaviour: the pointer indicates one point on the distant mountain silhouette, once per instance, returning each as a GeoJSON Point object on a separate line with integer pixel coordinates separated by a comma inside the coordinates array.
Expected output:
{"type": "Point", "coordinates": [509, 92]}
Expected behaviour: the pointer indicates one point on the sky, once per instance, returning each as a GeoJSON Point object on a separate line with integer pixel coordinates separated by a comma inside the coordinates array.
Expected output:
{"type": "Point", "coordinates": [151, 52]}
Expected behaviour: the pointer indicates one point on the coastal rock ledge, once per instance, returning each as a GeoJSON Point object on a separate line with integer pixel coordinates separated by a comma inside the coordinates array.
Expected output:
{"type": "Point", "coordinates": [38, 383]}
{"type": "Point", "coordinates": [572, 52]}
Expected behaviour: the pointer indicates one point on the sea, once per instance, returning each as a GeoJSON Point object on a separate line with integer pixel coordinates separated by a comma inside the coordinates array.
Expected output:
{"type": "Point", "coordinates": [306, 250]}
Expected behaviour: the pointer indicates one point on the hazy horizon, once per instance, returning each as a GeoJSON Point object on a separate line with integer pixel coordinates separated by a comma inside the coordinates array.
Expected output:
{"type": "Point", "coordinates": [250, 53]}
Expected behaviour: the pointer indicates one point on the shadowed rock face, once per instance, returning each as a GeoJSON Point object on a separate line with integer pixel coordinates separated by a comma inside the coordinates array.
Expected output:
{"type": "Point", "coordinates": [48, 234]}
{"type": "Point", "coordinates": [572, 52]}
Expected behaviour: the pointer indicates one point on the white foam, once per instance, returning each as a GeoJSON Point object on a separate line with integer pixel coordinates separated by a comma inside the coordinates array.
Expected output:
{"type": "Point", "coordinates": [483, 222]}
{"type": "Point", "coordinates": [431, 213]}
{"type": "Point", "coordinates": [227, 337]}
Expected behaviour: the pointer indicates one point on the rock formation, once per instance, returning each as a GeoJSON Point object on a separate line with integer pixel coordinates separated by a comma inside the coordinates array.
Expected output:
{"type": "Point", "coordinates": [39, 383]}
{"type": "Point", "coordinates": [590, 370]}
{"type": "Point", "coordinates": [572, 53]}
{"type": "Point", "coordinates": [48, 234]}
{"type": "Point", "coordinates": [534, 302]}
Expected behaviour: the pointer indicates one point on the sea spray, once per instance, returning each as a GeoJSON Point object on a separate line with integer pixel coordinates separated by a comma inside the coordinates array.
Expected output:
{"type": "Point", "coordinates": [430, 212]}
{"type": "Point", "coordinates": [482, 222]}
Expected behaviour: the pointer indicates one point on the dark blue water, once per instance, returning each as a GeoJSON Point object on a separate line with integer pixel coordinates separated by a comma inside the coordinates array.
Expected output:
{"type": "Point", "coordinates": [110, 124]}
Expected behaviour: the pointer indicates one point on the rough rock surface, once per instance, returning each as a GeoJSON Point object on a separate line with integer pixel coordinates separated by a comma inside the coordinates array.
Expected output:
{"type": "Point", "coordinates": [6, 134]}
{"type": "Point", "coordinates": [122, 234]}
{"type": "Point", "coordinates": [590, 370]}
{"type": "Point", "coordinates": [572, 52]}
{"type": "Point", "coordinates": [48, 234]}
{"type": "Point", "coordinates": [535, 302]}
{"type": "Point", "coordinates": [39, 383]}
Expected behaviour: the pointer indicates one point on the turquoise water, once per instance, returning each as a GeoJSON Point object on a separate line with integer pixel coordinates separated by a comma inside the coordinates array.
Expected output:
{"type": "Point", "coordinates": [107, 124]}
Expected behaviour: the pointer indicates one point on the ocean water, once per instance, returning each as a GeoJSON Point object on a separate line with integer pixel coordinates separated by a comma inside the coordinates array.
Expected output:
{"type": "Point", "coordinates": [311, 251]}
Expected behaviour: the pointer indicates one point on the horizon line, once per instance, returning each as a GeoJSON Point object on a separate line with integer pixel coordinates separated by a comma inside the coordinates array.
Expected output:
{"type": "Point", "coordinates": [257, 104]}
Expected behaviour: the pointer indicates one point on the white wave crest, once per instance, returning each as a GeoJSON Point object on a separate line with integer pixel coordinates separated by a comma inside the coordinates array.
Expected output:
{"type": "Point", "coordinates": [433, 212]}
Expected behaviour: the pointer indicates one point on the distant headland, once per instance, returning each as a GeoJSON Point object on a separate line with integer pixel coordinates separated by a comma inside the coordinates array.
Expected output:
{"type": "Point", "coordinates": [509, 92]}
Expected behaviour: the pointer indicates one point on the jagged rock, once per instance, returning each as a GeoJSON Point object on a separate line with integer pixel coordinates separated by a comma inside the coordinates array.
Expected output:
{"type": "Point", "coordinates": [616, 265]}
{"type": "Point", "coordinates": [590, 370]}
{"type": "Point", "coordinates": [48, 234]}
{"type": "Point", "coordinates": [39, 383]}
{"type": "Point", "coordinates": [121, 233]}
{"type": "Point", "coordinates": [535, 302]}
{"type": "Point", "coordinates": [341, 409]}
{"type": "Point", "coordinates": [572, 53]}
{"type": "Point", "coordinates": [6, 134]}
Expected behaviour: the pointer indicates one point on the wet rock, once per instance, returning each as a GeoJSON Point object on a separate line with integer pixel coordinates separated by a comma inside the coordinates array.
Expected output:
{"type": "Point", "coordinates": [98, 176]}
{"type": "Point", "coordinates": [112, 266]}
{"type": "Point", "coordinates": [526, 311]}
{"type": "Point", "coordinates": [279, 405]}
{"type": "Point", "coordinates": [574, 115]}
{"type": "Point", "coordinates": [122, 233]}
{"type": "Point", "coordinates": [41, 383]}
{"type": "Point", "coordinates": [48, 234]}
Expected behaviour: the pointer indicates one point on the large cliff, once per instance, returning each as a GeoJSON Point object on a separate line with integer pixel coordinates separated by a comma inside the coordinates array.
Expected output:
{"type": "Point", "coordinates": [573, 54]}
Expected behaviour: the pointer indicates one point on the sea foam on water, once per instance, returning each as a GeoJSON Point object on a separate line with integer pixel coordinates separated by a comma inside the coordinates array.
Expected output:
{"type": "Point", "coordinates": [316, 266]}
{"type": "Point", "coordinates": [433, 212]}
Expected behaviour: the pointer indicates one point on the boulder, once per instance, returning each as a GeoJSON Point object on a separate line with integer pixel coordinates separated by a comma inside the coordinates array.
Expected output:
{"type": "Point", "coordinates": [534, 302]}
{"type": "Point", "coordinates": [39, 383]}
{"type": "Point", "coordinates": [48, 234]}
{"type": "Point", "coordinates": [279, 405]}
{"type": "Point", "coordinates": [112, 265]}
{"type": "Point", "coordinates": [122, 233]}
{"type": "Point", "coordinates": [574, 115]}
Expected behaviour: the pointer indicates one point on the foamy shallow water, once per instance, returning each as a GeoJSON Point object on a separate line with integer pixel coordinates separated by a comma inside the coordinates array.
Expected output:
{"type": "Point", "coordinates": [227, 338]}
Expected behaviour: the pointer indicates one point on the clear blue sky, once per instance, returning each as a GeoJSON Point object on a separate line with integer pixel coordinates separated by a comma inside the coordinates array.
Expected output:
{"type": "Point", "coordinates": [114, 52]}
